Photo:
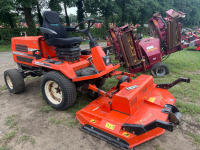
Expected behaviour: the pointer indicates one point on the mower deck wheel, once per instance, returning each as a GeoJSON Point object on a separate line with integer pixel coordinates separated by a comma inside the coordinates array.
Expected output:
{"type": "Point", "coordinates": [58, 91]}
{"type": "Point", "coordinates": [159, 69]}
{"type": "Point", "coordinates": [14, 81]}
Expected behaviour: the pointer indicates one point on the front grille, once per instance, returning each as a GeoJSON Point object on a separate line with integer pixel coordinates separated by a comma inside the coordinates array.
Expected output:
{"type": "Point", "coordinates": [21, 48]}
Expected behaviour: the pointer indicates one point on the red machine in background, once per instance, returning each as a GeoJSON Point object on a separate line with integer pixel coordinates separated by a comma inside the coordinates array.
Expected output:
{"type": "Point", "coordinates": [188, 36]}
{"type": "Point", "coordinates": [147, 53]}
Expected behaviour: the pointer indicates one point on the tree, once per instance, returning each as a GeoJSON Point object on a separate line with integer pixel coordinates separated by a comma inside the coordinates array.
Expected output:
{"type": "Point", "coordinates": [80, 12]}
{"type": "Point", "coordinates": [68, 3]}
{"type": "Point", "coordinates": [26, 7]}
{"type": "Point", "coordinates": [6, 16]}
{"type": "Point", "coordinates": [55, 6]}
{"type": "Point", "coordinates": [41, 4]}
{"type": "Point", "coordinates": [146, 10]}
{"type": "Point", "coordinates": [73, 18]}
{"type": "Point", "coordinates": [106, 8]}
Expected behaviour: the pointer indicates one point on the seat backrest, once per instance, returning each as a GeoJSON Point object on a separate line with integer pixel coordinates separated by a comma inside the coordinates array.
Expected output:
{"type": "Point", "coordinates": [52, 21]}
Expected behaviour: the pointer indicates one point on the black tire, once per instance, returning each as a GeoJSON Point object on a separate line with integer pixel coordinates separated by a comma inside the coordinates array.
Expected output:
{"type": "Point", "coordinates": [159, 69]}
{"type": "Point", "coordinates": [98, 84]}
{"type": "Point", "coordinates": [121, 80]}
{"type": "Point", "coordinates": [14, 81]}
{"type": "Point", "coordinates": [66, 86]}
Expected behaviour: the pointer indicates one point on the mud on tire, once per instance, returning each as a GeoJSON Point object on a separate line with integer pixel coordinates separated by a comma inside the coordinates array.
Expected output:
{"type": "Point", "coordinates": [58, 91]}
{"type": "Point", "coordinates": [14, 81]}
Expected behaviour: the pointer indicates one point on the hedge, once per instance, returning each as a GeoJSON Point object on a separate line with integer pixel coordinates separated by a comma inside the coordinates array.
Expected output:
{"type": "Point", "coordinates": [7, 34]}
{"type": "Point", "coordinates": [143, 30]}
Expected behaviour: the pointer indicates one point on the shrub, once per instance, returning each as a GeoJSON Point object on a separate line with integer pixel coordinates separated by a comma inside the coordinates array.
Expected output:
{"type": "Point", "coordinates": [6, 34]}
{"type": "Point", "coordinates": [143, 30]}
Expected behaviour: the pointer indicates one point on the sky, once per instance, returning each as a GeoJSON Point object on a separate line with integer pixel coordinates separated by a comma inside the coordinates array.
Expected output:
{"type": "Point", "coordinates": [71, 10]}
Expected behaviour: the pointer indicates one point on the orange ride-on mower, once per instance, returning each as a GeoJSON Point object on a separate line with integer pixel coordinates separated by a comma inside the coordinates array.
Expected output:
{"type": "Point", "coordinates": [129, 114]}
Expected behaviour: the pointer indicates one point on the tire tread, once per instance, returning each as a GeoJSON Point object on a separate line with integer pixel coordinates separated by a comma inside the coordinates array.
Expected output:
{"type": "Point", "coordinates": [17, 80]}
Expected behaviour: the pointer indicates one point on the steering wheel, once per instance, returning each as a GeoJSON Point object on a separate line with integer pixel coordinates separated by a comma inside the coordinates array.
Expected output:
{"type": "Point", "coordinates": [86, 30]}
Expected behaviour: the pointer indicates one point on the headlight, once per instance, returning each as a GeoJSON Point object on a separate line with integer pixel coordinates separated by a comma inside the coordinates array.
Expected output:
{"type": "Point", "coordinates": [107, 60]}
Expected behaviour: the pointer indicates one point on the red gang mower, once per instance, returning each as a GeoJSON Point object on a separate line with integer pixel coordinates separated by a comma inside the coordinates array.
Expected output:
{"type": "Point", "coordinates": [132, 112]}
{"type": "Point", "coordinates": [143, 54]}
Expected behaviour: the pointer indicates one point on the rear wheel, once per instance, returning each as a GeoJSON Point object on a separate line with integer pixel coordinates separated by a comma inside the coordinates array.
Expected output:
{"type": "Point", "coordinates": [14, 81]}
{"type": "Point", "coordinates": [58, 91]}
{"type": "Point", "coordinates": [160, 70]}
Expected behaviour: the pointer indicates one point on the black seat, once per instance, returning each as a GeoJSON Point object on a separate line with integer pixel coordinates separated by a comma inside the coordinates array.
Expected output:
{"type": "Point", "coordinates": [51, 21]}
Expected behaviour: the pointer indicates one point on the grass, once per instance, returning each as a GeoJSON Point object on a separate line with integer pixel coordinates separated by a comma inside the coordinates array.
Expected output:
{"type": "Point", "coordinates": [185, 107]}
{"type": "Point", "coordinates": [5, 148]}
{"type": "Point", "coordinates": [52, 120]}
{"type": "Point", "coordinates": [81, 102]}
{"type": "Point", "coordinates": [25, 138]}
{"type": "Point", "coordinates": [146, 36]}
{"type": "Point", "coordinates": [11, 121]}
{"type": "Point", "coordinates": [4, 48]}
{"type": "Point", "coordinates": [70, 122]}
{"type": "Point", "coordinates": [3, 88]}
{"type": "Point", "coordinates": [7, 137]}
{"type": "Point", "coordinates": [46, 109]}
{"type": "Point", "coordinates": [158, 147]}
{"type": "Point", "coordinates": [84, 43]}
{"type": "Point", "coordinates": [197, 138]}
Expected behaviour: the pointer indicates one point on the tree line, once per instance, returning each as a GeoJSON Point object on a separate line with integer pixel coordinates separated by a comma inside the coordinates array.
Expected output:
{"type": "Point", "coordinates": [118, 12]}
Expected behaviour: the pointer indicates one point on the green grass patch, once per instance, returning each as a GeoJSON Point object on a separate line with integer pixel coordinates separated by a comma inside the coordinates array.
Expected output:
{"type": "Point", "coordinates": [82, 101]}
{"type": "Point", "coordinates": [3, 88]}
{"type": "Point", "coordinates": [72, 122]}
{"type": "Point", "coordinates": [84, 43]}
{"type": "Point", "coordinates": [5, 148]}
{"type": "Point", "coordinates": [46, 109]}
{"type": "Point", "coordinates": [158, 147]}
{"type": "Point", "coordinates": [197, 138]}
{"type": "Point", "coordinates": [146, 36]}
{"type": "Point", "coordinates": [4, 48]}
{"type": "Point", "coordinates": [53, 120]}
{"type": "Point", "coordinates": [25, 138]}
{"type": "Point", "coordinates": [187, 107]}
{"type": "Point", "coordinates": [11, 121]}
{"type": "Point", "coordinates": [9, 136]}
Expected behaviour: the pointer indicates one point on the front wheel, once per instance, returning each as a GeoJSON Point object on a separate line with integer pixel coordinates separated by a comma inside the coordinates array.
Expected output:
{"type": "Point", "coordinates": [58, 91]}
{"type": "Point", "coordinates": [14, 81]}
{"type": "Point", "coordinates": [159, 69]}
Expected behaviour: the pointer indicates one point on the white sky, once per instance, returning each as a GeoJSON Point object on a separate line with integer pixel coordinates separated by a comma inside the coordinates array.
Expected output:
{"type": "Point", "coordinates": [71, 10]}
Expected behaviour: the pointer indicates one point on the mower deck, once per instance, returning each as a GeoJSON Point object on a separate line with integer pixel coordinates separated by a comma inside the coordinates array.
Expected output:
{"type": "Point", "coordinates": [141, 107]}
